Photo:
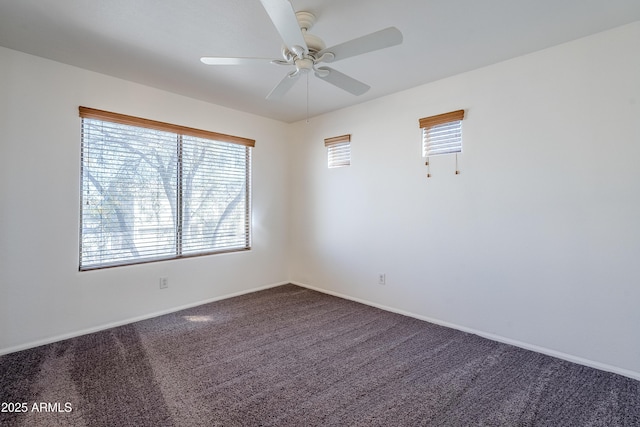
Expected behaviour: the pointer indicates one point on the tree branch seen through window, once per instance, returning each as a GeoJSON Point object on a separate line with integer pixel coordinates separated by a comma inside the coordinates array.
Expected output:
{"type": "Point", "coordinates": [149, 194]}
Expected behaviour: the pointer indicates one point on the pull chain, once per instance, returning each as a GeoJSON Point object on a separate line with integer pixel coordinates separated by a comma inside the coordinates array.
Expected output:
{"type": "Point", "coordinates": [307, 97]}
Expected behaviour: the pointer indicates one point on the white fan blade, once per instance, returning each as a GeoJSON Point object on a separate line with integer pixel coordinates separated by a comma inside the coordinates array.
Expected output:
{"type": "Point", "coordinates": [379, 40]}
{"type": "Point", "coordinates": [217, 60]}
{"type": "Point", "coordinates": [284, 18]}
{"type": "Point", "coordinates": [284, 86]}
{"type": "Point", "coordinates": [343, 81]}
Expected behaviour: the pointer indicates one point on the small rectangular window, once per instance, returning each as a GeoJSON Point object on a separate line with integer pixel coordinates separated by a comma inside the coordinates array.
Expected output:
{"type": "Point", "coordinates": [442, 134]}
{"type": "Point", "coordinates": [338, 151]}
{"type": "Point", "coordinates": [152, 191]}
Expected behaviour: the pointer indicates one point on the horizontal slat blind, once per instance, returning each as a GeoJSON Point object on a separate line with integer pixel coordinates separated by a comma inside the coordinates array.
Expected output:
{"type": "Point", "coordinates": [215, 189]}
{"type": "Point", "coordinates": [149, 195]}
{"type": "Point", "coordinates": [442, 139]}
{"type": "Point", "coordinates": [338, 151]}
{"type": "Point", "coordinates": [442, 134]}
{"type": "Point", "coordinates": [126, 211]}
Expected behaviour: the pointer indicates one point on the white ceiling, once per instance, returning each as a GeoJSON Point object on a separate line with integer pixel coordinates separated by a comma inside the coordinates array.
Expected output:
{"type": "Point", "coordinates": [159, 42]}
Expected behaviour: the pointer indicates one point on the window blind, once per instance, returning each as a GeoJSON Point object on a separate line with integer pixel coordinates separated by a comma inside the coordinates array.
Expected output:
{"type": "Point", "coordinates": [150, 194]}
{"type": "Point", "coordinates": [338, 151]}
{"type": "Point", "coordinates": [442, 134]}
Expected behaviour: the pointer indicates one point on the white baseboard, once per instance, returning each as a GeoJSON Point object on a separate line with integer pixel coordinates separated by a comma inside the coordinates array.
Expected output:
{"type": "Point", "coordinates": [131, 320]}
{"type": "Point", "coordinates": [560, 355]}
{"type": "Point", "coordinates": [498, 338]}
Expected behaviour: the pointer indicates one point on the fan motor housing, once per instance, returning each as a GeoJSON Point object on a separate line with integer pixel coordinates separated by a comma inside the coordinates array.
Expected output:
{"type": "Point", "coordinates": [314, 43]}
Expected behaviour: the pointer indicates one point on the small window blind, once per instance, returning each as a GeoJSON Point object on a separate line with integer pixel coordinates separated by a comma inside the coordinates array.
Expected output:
{"type": "Point", "coordinates": [154, 191]}
{"type": "Point", "coordinates": [442, 134]}
{"type": "Point", "coordinates": [338, 151]}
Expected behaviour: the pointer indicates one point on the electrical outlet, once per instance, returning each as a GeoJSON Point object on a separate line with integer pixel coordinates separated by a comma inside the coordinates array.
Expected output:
{"type": "Point", "coordinates": [164, 283]}
{"type": "Point", "coordinates": [382, 278]}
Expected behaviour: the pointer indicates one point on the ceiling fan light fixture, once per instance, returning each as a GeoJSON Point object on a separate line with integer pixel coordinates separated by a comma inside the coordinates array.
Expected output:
{"type": "Point", "coordinates": [306, 51]}
{"type": "Point", "coordinates": [304, 64]}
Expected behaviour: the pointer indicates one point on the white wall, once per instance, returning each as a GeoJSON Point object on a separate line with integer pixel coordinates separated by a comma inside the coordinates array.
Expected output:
{"type": "Point", "coordinates": [537, 241]}
{"type": "Point", "coordinates": [42, 294]}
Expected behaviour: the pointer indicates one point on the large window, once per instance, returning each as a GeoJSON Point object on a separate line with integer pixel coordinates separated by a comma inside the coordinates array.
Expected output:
{"type": "Point", "coordinates": [154, 191]}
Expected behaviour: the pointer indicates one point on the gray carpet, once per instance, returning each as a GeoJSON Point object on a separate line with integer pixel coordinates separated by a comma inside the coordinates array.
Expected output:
{"type": "Point", "coordinates": [289, 356]}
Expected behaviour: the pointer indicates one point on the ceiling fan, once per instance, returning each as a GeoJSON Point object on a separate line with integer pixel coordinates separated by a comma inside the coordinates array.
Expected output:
{"type": "Point", "coordinates": [306, 51]}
